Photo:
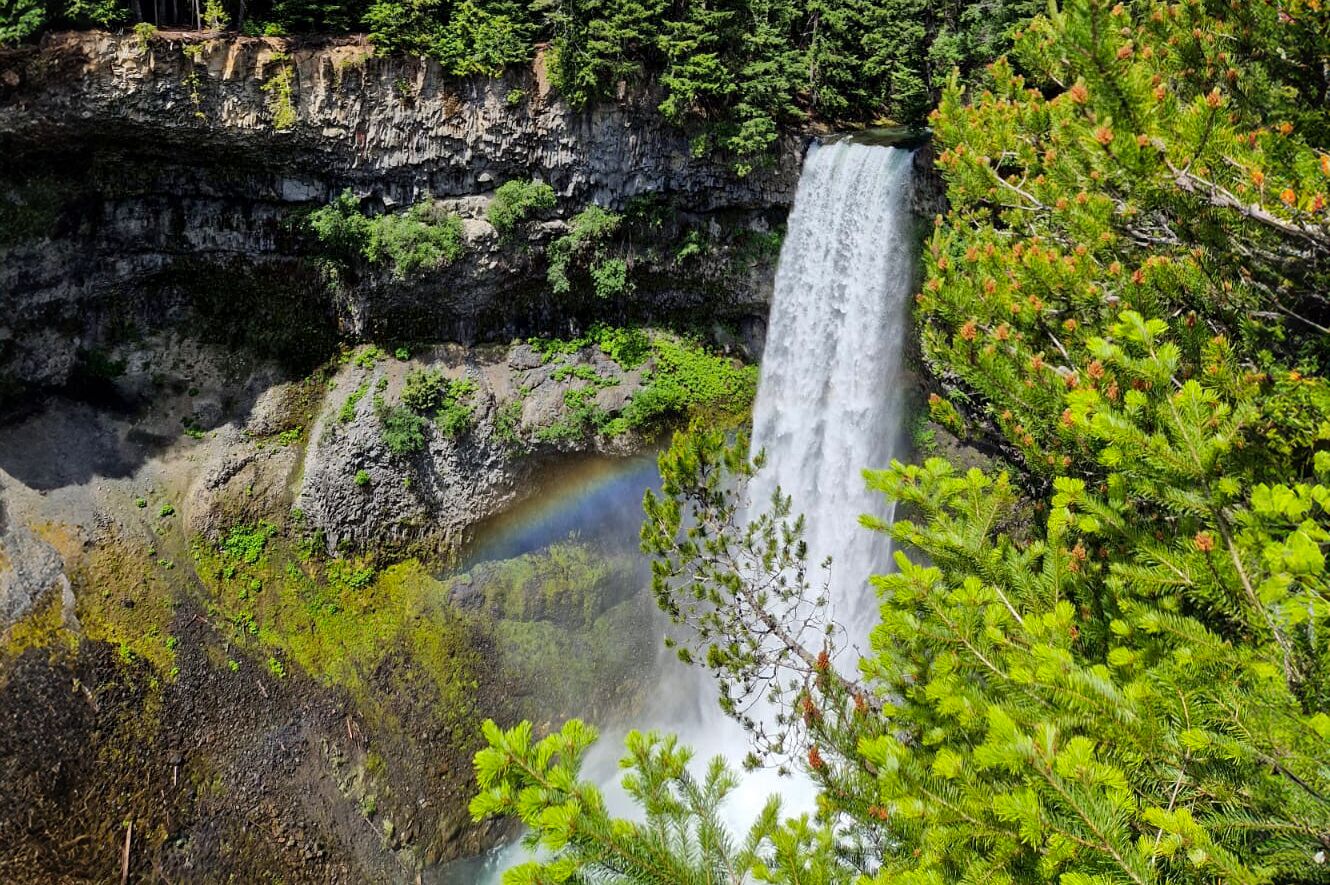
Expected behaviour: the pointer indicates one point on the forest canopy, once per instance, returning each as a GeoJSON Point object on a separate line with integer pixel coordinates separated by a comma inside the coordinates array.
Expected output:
{"type": "Point", "coordinates": [737, 71]}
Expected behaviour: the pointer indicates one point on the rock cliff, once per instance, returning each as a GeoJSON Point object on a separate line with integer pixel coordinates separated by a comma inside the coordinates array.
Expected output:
{"type": "Point", "coordinates": [159, 183]}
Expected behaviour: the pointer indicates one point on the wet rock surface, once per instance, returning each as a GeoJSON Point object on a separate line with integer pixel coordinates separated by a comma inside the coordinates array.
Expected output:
{"type": "Point", "coordinates": [277, 710]}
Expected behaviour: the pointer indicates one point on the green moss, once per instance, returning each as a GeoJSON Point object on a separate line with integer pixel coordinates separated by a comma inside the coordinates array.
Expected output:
{"type": "Point", "coordinates": [339, 620]}
{"type": "Point", "coordinates": [568, 583]}
{"type": "Point", "coordinates": [42, 627]}
{"type": "Point", "coordinates": [347, 413]}
{"type": "Point", "coordinates": [127, 600]}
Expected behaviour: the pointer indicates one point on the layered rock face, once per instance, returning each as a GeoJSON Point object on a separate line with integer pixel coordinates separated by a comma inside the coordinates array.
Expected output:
{"type": "Point", "coordinates": [160, 183]}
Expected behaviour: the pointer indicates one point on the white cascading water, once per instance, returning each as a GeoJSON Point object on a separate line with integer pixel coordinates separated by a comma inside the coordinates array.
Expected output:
{"type": "Point", "coordinates": [829, 404]}
{"type": "Point", "coordinates": [831, 395]}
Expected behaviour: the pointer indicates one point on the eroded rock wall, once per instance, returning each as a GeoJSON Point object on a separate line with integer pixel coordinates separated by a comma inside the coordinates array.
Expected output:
{"type": "Point", "coordinates": [145, 184]}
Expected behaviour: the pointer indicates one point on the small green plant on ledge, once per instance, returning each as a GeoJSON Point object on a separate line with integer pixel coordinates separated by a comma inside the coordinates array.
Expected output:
{"type": "Point", "coordinates": [586, 248]}
{"type": "Point", "coordinates": [144, 34]}
{"type": "Point", "coordinates": [279, 88]}
{"type": "Point", "coordinates": [685, 380]}
{"type": "Point", "coordinates": [514, 202]}
{"type": "Point", "coordinates": [426, 393]}
{"type": "Point", "coordinates": [424, 237]}
{"type": "Point", "coordinates": [347, 413]}
{"type": "Point", "coordinates": [214, 15]}
{"type": "Point", "coordinates": [193, 82]}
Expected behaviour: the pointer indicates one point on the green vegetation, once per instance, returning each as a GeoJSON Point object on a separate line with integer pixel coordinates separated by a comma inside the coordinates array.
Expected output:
{"type": "Point", "coordinates": [281, 104]}
{"type": "Point", "coordinates": [427, 393]}
{"type": "Point", "coordinates": [424, 237]}
{"type": "Point", "coordinates": [1108, 659]}
{"type": "Point", "coordinates": [362, 479]}
{"type": "Point", "coordinates": [145, 33]}
{"type": "Point", "coordinates": [585, 249]}
{"type": "Point", "coordinates": [20, 19]}
{"type": "Point", "coordinates": [515, 201]}
{"type": "Point", "coordinates": [507, 424]}
{"type": "Point", "coordinates": [369, 356]}
{"type": "Point", "coordinates": [347, 413]}
{"type": "Point", "coordinates": [337, 620]}
{"type": "Point", "coordinates": [733, 74]}
{"type": "Point", "coordinates": [403, 430]}
{"type": "Point", "coordinates": [215, 16]}
{"type": "Point", "coordinates": [686, 380]}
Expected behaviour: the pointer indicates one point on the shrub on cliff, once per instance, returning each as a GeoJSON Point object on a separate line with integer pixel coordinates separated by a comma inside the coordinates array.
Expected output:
{"type": "Point", "coordinates": [426, 393]}
{"type": "Point", "coordinates": [424, 237]}
{"type": "Point", "coordinates": [20, 19]}
{"type": "Point", "coordinates": [515, 201]}
{"type": "Point", "coordinates": [587, 251]}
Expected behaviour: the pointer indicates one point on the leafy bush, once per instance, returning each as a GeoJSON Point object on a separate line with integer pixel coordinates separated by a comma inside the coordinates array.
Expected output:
{"type": "Point", "coordinates": [629, 347]}
{"type": "Point", "coordinates": [688, 379]}
{"type": "Point", "coordinates": [454, 418]}
{"type": "Point", "coordinates": [144, 34]}
{"type": "Point", "coordinates": [424, 390]}
{"type": "Point", "coordinates": [20, 19]}
{"type": "Point", "coordinates": [586, 246]}
{"type": "Point", "coordinates": [424, 237]}
{"type": "Point", "coordinates": [514, 202]}
{"type": "Point", "coordinates": [342, 228]}
{"type": "Point", "coordinates": [428, 392]}
{"type": "Point", "coordinates": [609, 278]}
{"type": "Point", "coordinates": [402, 429]}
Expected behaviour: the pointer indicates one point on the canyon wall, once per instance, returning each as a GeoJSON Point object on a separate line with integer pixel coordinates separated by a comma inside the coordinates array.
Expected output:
{"type": "Point", "coordinates": [160, 183]}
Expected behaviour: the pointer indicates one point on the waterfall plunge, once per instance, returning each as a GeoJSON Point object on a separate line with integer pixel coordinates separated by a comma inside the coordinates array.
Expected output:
{"type": "Point", "coordinates": [830, 399]}
{"type": "Point", "coordinates": [829, 404]}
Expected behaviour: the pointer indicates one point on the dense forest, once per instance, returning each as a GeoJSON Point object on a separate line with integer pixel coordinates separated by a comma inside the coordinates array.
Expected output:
{"type": "Point", "coordinates": [737, 70]}
{"type": "Point", "coordinates": [1107, 658]}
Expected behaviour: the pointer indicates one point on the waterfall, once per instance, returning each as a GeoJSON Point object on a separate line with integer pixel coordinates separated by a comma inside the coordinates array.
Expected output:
{"type": "Point", "coordinates": [830, 398]}
{"type": "Point", "coordinates": [829, 404]}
